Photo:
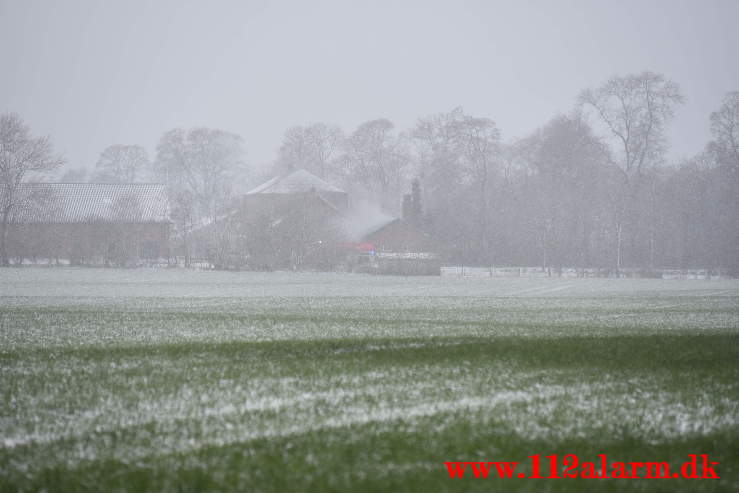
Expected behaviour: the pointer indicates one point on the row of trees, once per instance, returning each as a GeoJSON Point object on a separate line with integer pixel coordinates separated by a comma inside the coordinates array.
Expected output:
{"type": "Point", "coordinates": [590, 188]}
{"type": "Point", "coordinates": [200, 168]}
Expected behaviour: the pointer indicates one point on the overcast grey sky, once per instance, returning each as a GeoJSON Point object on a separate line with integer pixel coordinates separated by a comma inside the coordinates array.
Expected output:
{"type": "Point", "coordinates": [91, 74]}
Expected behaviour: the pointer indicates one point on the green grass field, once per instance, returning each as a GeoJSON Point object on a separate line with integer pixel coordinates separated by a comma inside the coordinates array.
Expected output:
{"type": "Point", "coordinates": [115, 380]}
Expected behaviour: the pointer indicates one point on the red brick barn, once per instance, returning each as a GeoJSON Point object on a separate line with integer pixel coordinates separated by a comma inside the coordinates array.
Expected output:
{"type": "Point", "coordinates": [401, 247]}
{"type": "Point", "coordinates": [90, 223]}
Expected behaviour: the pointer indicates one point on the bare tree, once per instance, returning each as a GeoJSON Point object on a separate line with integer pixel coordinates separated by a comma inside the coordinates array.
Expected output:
{"type": "Point", "coordinates": [295, 150]}
{"type": "Point", "coordinates": [121, 164]}
{"type": "Point", "coordinates": [725, 130]}
{"type": "Point", "coordinates": [202, 160]}
{"type": "Point", "coordinates": [481, 148]}
{"type": "Point", "coordinates": [21, 156]}
{"type": "Point", "coordinates": [440, 161]}
{"type": "Point", "coordinates": [199, 167]}
{"type": "Point", "coordinates": [723, 153]}
{"type": "Point", "coordinates": [634, 110]}
{"type": "Point", "coordinates": [459, 157]}
{"type": "Point", "coordinates": [439, 151]}
{"type": "Point", "coordinates": [565, 173]}
{"type": "Point", "coordinates": [313, 147]}
{"type": "Point", "coordinates": [377, 160]}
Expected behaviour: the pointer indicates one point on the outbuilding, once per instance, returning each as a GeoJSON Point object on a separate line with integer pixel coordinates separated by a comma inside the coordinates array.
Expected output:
{"type": "Point", "coordinates": [89, 223]}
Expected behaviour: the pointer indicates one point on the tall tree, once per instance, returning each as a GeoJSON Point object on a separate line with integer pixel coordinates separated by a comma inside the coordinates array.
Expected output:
{"type": "Point", "coordinates": [459, 157]}
{"type": "Point", "coordinates": [480, 143]}
{"type": "Point", "coordinates": [199, 167]}
{"type": "Point", "coordinates": [634, 111]}
{"type": "Point", "coordinates": [121, 164]}
{"type": "Point", "coordinates": [313, 147]}
{"type": "Point", "coordinates": [376, 162]}
{"type": "Point", "coordinates": [725, 130]}
{"type": "Point", "coordinates": [724, 151]}
{"type": "Point", "coordinates": [440, 157]}
{"type": "Point", "coordinates": [202, 161]}
{"type": "Point", "coordinates": [22, 156]}
{"type": "Point", "coordinates": [563, 192]}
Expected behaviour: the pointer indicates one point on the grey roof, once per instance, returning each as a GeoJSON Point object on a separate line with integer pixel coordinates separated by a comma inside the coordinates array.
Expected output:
{"type": "Point", "coordinates": [64, 203]}
{"type": "Point", "coordinates": [299, 181]}
{"type": "Point", "coordinates": [379, 226]}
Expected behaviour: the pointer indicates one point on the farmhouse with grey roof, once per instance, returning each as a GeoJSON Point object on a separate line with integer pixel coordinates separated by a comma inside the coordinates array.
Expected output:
{"type": "Point", "coordinates": [108, 223]}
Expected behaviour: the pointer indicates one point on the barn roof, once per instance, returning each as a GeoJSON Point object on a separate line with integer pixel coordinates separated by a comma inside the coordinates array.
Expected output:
{"type": "Point", "coordinates": [378, 228]}
{"type": "Point", "coordinates": [299, 181]}
{"type": "Point", "coordinates": [64, 203]}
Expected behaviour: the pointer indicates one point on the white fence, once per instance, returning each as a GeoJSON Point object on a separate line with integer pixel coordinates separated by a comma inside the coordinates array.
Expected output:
{"type": "Point", "coordinates": [571, 272]}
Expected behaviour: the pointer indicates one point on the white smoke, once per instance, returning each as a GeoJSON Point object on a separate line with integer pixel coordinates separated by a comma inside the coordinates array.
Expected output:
{"type": "Point", "coordinates": [363, 218]}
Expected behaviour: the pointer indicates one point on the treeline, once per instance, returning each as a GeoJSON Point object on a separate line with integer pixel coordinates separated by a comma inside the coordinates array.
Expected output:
{"type": "Point", "coordinates": [590, 188]}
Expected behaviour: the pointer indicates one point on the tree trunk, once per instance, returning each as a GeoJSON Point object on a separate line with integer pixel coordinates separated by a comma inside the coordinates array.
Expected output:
{"type": "Point", "coordinates": [483, 222]}
{"type": "Point", "coordinates": [618, 248]}
{"type": "Point", "coordinates": [4, 240]}
{"type": "Point", "coordinates": [652, 225]}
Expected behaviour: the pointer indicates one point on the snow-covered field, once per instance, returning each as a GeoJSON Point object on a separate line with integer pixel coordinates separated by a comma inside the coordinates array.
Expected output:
{"type": "Point", "coordinates": [177, 283]}
{"type": "Point", "coordinates": [180, 380]}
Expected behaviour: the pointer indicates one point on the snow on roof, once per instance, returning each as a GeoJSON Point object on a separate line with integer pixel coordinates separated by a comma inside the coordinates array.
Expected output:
{"type": "Point", "coordinates": [299, 181]}
{"type": "Point", "coordinates": [91, 202]}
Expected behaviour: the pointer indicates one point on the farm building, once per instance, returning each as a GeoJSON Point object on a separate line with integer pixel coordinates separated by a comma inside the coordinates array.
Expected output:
{"type": "Point", "coordinates": [299, 220]}
{"type": "Point", "coordinates": [89, 223]}
{"type": "Point", "coordinates": [402, 247]}
{"type": "Point", "coordinates": [293, 221]}
{"type": "Point", "coordinates": [281, 192]}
